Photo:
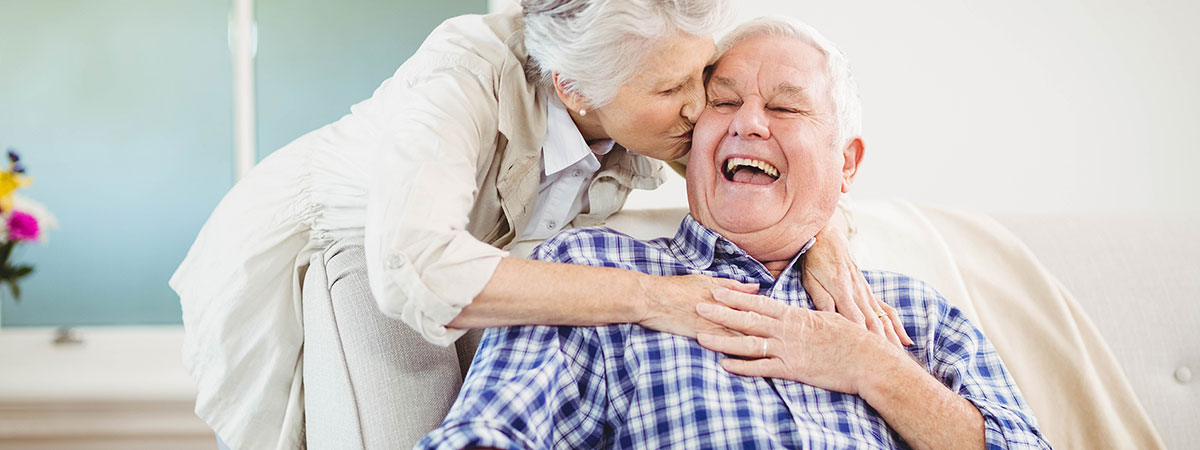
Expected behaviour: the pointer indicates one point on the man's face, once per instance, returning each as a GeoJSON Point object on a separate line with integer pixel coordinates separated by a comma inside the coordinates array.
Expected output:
{"type": "Point", "coordinates": [763, 171]}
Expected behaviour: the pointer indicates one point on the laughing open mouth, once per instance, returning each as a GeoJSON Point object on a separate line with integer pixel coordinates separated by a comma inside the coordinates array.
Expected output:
{"type": "Point", "coordinates": [752, 171]}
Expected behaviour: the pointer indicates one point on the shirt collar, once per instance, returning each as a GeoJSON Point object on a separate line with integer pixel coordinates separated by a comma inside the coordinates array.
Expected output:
{"type": "Point", "coordinates": [698, 246]}
{"type": "Point", "coordinates": [564, 145]}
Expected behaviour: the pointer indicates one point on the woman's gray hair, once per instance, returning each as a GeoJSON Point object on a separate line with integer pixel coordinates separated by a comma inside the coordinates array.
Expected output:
{"type": "Point", "coordinates": [843, 91]}
{"type": "Point", "coordinates": [596, 45]}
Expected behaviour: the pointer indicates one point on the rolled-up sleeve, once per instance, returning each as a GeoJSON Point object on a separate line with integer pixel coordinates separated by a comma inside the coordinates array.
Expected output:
{"type": "Point", "coordinates": [965, 361]}
{"type": "Point", "coordinates": [424, 267]}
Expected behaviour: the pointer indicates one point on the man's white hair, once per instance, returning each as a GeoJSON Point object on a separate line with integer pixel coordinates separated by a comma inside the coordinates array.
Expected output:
{"type": "Point", "coordinates": [843, 90]}
{"type": "Point", "coordinates": [596, 45]}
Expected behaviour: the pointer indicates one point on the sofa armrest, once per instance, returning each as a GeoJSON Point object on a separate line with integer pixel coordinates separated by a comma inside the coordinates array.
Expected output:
{"type": "Point", "coordinates": [370, 382]}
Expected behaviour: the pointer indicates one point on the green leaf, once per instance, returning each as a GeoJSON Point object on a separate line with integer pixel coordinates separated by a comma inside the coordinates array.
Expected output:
{"type": "Point", "coordinates": [16, 290]}
{"type": "Point", "coordinates": [21, 272]}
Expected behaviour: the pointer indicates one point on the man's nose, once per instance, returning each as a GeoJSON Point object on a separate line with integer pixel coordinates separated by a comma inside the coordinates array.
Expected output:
{"type": "Point", "coordinates": [694, 103]}
{"type": "Point", "coordinates": [750, 121]}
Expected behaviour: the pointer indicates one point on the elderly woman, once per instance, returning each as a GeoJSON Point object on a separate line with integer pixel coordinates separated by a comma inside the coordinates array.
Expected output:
{"type": "Point", "coordinates": [501, 128]}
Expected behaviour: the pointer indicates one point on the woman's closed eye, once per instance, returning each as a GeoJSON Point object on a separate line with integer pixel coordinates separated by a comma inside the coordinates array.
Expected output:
{"type": "Point", "coordinates": [672, 91]}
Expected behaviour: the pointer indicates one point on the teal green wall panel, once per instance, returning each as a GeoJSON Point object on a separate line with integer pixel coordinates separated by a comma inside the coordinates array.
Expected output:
{"type": "Point", "coordinates": [316, 58]}
{"type": "Point", "coordinates": [121, 111]}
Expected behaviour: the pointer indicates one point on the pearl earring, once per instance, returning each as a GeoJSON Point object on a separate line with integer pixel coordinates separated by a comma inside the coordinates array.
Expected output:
{"type": "Point", "coordinates": [583, 112]}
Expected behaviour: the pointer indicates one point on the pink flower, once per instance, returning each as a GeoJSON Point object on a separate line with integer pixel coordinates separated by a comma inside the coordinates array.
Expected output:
{"type": "Point", "coordinates": [23, 227]}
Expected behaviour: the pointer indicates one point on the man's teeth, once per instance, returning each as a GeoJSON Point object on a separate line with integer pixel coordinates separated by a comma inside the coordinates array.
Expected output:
{"type": "Point", "coordinates": [733, 164]}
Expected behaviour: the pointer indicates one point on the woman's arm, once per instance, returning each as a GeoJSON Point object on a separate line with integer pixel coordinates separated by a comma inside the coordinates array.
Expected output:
{"type": "Point", "coordinates": [434, 121]}
{"type": "Point", "coordinates": [528, 292]}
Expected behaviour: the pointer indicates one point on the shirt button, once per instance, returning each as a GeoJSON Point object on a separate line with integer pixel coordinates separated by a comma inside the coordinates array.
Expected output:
{"type": "Point", "coordinates": [576, 173]}
{"type": "Point", "coordinates": [551, 225]}
{"type": "Point", "coordinates": [1183, 374]}
{"type": "Point", "coordinates": [394, 262]}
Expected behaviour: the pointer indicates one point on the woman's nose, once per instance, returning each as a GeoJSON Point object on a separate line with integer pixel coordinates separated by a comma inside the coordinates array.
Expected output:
{"type": "Point", "coordinates": [694, 103]}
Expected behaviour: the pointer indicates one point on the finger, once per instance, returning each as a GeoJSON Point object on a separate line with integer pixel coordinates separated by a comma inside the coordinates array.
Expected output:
{"type": "Point", "coordinates": [748, 322]}
{"type": "Point", "coordinates": [766, 367]}
{"type": "Point", "coordinates": [901, 332]}
{"type": "Point", "coordinates": [865, 301]}
{"type": "Point", "coordinates": [751, 302]}
{"type": "Point", "coordinates": [717, 330]}
{"type": "Point", "coordinates": [749, 288]}
{"type": "Point", "coordinates": [889, 331]}
{"type": "Point", "coordinates": [847, 306]}
{"type": "Point", "coordinates": [875, 323]}
{"type": "Point", "coordinates": [821, 299]}
{"type": "Point", "coordinates": [746, 346]}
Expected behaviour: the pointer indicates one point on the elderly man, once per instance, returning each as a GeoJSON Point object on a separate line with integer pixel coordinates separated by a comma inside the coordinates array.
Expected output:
{"type": "Point", "coordinates": [777, 145]}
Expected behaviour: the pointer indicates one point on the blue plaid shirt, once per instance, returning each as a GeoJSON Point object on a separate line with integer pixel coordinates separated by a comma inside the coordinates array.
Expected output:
{"type": "Point", "coordinates": [624, 386]}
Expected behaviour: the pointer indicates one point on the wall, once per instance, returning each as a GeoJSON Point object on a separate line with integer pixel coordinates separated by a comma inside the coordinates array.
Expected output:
{"type": "Point", "coordinates": [1018, 106]}
{"type": "Point", "coordinates": [122, 112]}
{"type": "Point", "coordinates": [318, 57]}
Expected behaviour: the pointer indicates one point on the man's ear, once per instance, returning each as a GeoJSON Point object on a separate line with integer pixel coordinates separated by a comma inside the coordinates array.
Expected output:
{"type": "Point", "coordinates": [573, 101]}
{"type": "Point", "coordinates": [853, 154]}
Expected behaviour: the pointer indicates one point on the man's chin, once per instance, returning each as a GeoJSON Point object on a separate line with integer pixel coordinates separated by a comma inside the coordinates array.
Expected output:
{"type": "Point", "coordinates": [743, 220]}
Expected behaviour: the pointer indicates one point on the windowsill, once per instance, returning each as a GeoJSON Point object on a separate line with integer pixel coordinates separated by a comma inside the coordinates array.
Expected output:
{"type": "Point", "coordinates": [120, 388]}
{"type": "Point", "coordinates": [110, 364]}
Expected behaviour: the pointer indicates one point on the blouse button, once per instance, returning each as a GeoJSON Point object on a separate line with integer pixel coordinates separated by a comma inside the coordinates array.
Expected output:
{"type": "Point", "coordinates": [576, 173]}
{"type": "Point", "coordinates": [394, 262]}
{"type": "Point", "coordinates": [551, 225]}
{"type": "Point", "coordinates": [1183, 374]}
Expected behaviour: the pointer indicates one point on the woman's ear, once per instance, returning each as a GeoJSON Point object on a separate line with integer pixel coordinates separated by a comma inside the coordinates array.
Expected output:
{"type": "Point", "coordinates": [852, 154]}
{"type": "Point", "coordinates": [573, 101]}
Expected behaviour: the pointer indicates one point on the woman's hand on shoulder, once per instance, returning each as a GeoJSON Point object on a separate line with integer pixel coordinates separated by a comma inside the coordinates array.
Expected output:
{"type": "Point", "coordinates": [835, 284]}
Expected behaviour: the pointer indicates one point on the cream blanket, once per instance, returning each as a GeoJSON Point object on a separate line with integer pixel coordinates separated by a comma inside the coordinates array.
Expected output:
{"type": "Point", "coordinates": [1064, 369]}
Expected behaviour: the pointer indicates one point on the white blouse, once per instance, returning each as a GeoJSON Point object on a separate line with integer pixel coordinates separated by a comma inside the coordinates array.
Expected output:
{"type": "Point", "coordinates": [568, 165]}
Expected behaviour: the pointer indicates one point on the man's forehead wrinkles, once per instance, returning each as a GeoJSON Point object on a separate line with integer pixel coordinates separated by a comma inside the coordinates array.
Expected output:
{"type": "Point", "coordinates": [762, 79]}
{"type": "Point", "coordinates": [789, 90]}
{"type": "Point", "coordinates": [724, 81]}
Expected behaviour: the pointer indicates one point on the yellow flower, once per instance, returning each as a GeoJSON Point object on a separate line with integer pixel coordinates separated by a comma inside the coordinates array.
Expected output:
{"type": "Point", "coordinates": [9, 183]}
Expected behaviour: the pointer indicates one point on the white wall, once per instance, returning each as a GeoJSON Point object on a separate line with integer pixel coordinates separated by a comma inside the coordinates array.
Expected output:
{"type": "Point", "coordinates": [1018, 106]}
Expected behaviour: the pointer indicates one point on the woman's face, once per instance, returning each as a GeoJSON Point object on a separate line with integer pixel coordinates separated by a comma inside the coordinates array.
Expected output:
{"type": "Point", "coordinates": [653, 113]}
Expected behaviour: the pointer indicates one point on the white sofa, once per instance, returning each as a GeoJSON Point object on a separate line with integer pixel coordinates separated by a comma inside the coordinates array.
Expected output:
{"type": "Point", "coordinates": [371, 383]}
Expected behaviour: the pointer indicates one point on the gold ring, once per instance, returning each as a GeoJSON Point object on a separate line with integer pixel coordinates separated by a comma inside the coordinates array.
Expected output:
{"type": "Point", "coordinates": [880, 314]}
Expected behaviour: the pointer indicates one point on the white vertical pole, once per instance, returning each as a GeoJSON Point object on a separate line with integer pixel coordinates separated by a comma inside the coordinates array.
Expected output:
{"type": "Point", "coordinates": [243, 43]}
{"type": "Point", "coordinates": [495, 6]}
